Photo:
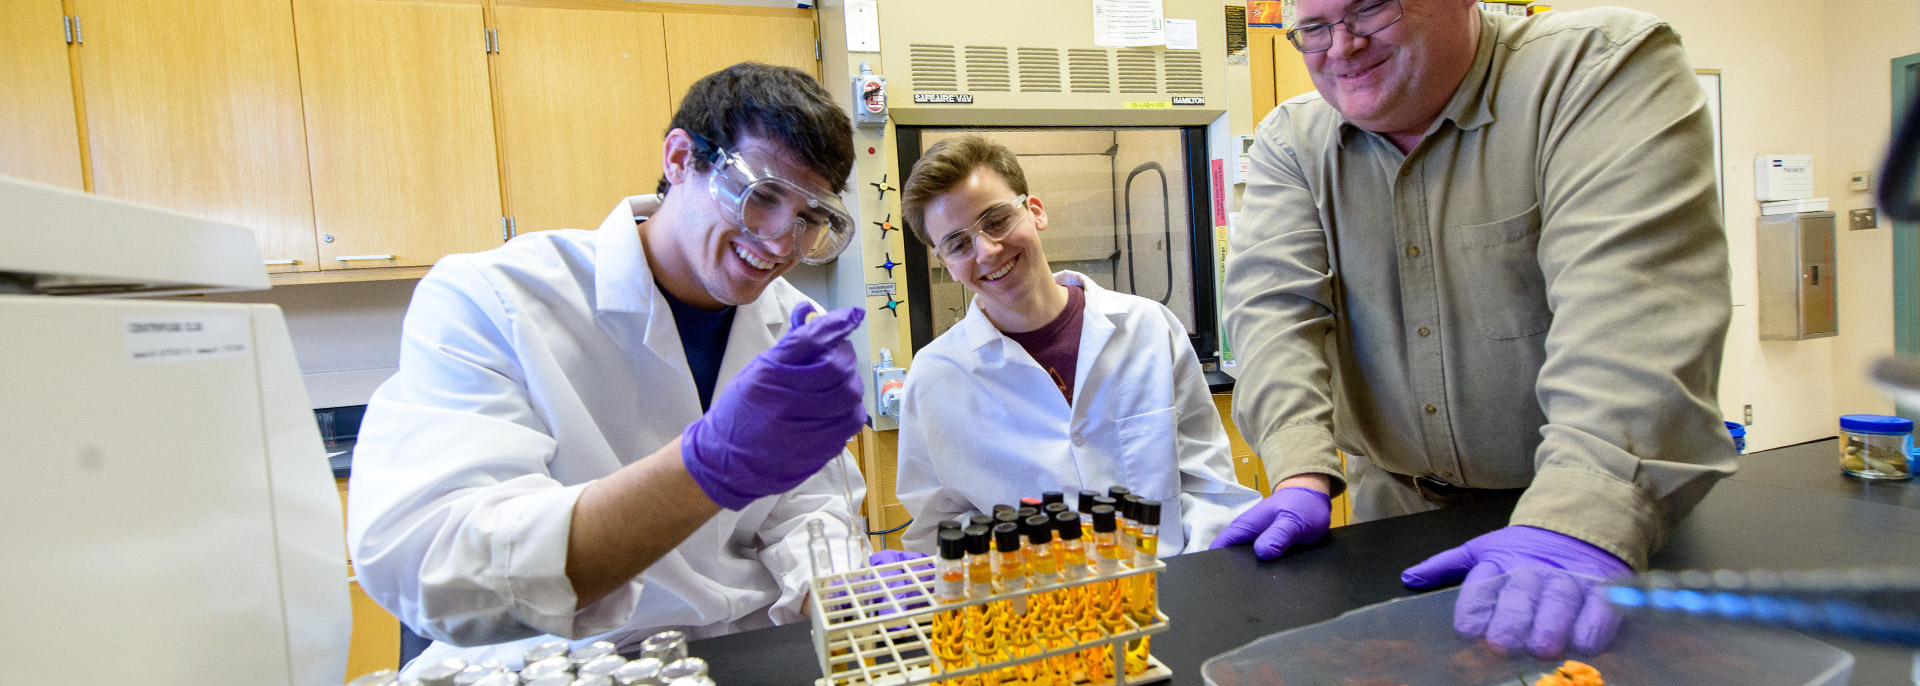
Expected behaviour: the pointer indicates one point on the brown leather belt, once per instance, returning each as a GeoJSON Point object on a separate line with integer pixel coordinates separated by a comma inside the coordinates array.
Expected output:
{"type": "Point", "coordinates": [1441, 492]}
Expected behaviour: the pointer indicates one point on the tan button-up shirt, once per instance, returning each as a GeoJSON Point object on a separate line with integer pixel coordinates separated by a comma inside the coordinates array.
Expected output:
{"type": "Point", "coordinates": [1535, 296]}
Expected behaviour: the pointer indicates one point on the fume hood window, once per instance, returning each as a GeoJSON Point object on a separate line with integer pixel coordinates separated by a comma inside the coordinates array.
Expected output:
{"type": "Point", "coordinates": [1120, 210]}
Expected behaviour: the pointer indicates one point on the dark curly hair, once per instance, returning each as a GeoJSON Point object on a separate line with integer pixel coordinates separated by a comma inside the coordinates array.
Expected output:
{"type": "Point", "coordinates": [779, 104]}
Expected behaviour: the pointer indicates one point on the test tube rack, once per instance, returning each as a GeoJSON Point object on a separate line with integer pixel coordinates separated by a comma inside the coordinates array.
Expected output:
{"type": "Point", "coordinates": [856, 645]}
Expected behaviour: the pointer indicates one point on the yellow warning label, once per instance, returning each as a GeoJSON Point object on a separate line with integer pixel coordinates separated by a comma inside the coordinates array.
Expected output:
{"type": "Point", "coordinates": [1148, 104]}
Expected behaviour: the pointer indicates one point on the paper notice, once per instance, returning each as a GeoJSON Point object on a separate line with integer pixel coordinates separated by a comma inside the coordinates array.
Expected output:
{"type": "Point", "coordinates": [1128, 23]}
{"type": "Point", "coordinates": [863, 26]}
{"type": "Point", "coordinates": [1183, 34]}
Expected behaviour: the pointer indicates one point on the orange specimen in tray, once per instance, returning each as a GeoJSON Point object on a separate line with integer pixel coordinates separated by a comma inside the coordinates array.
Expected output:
{"type": "Point", "coordinates": [1572, 673]}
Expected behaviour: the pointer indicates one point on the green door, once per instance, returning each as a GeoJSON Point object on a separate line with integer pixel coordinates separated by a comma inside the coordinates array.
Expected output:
{"type": "Point", "coordinates": [1906, 235]}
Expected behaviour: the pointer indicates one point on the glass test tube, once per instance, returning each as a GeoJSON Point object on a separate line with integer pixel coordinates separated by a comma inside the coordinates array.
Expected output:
{"type": "Point", "coordinates": [1043, 614]}
{"type": "Point", "coordinates": [950, 586]}
{"type": "Point", "coordinates": [1084, 506]}
{"type": "Point", "coordinates": [983, 632]}
{"type": "Point", "coordinates": [1010, 574]}
{"type": "Point", "coordinates": [1074, 619]}
{"type": "Point", "coordinates": [1105, 601]}
{"type": "Point", "coordinates": [1140, 606]}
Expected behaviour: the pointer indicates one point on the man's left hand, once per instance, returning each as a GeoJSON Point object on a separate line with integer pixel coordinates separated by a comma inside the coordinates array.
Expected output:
{"type": "Point", "coordinates": [1527, 587]}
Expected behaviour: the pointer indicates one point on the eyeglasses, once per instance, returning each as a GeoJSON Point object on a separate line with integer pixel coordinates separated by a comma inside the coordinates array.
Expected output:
{"type": "Point", "coordinates": [767, 206]}
{"type": "Point", "coordinates": [1369, 19]}
{"type": "Point", "coordinates": [995, 223]}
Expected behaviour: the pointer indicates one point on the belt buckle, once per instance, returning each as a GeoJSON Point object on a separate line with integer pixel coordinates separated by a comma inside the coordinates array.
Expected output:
{"type": "Point", "coordinates": [1438, 490]}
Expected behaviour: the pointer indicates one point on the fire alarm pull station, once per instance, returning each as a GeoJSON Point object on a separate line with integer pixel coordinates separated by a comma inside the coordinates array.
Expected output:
{"type": "Point", "coordinates": [869, 97]}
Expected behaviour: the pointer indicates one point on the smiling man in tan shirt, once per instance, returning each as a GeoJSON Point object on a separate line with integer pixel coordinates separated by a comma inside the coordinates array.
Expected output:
{"type": "Point", "coordinates": [1486, 256]}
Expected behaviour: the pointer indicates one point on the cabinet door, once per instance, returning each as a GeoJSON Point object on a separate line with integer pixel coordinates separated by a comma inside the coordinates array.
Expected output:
{"type": "Point", "coordinates": [194, 105]}
{"type": "Point", "coordinates": [401, 123]}
{"type": "Point", "coordinates": [583, 109]}
{"type": "Point", "coordinates": [39, 136]}
{"type": "Point", "coordinates": [701, 44]}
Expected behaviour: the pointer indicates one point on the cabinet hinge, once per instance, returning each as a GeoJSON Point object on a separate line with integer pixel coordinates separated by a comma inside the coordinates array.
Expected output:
{"type": "Point", "coordinates": [66, 22]}
{"type": "Point", "coordinates": [816, 49]}
{"type": "Point", "coordinates": [74, 34]}
{"type": "Point", "coordinates": [493, 40]}
{"type": "Point", "coordinates": [513, 227]}
{"type": "Point", "coordinates": [505, 233]}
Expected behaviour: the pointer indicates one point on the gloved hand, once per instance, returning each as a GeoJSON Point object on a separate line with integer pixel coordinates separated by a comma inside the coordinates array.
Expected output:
{"type": "Point", "coordinates": [786, 414]}
{"type": "Point", "coordinates": [1291, 515]}
{"type": "Point", "coordinates": [1527, 587]}
{"type": "Point", "coordinates": [898, 578]}
{"type": "Point", "coordinates": [888, 556]}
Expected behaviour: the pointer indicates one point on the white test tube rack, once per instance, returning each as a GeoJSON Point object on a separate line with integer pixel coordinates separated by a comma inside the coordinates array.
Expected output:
{"type": "Point", "coordinates": [858, 647]}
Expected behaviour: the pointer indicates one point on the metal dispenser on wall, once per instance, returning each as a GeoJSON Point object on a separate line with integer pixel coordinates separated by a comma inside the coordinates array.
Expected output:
{"type": "Point", "coordinates": [1798, 298]}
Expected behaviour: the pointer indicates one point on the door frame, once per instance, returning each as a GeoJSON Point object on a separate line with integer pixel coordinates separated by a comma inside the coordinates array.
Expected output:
{"type": "Point", "coordinates": [1906, 235]}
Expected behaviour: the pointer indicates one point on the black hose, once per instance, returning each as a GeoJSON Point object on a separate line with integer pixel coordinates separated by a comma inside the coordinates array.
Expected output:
{"type": "Point", "coordinates": [1166, 223]}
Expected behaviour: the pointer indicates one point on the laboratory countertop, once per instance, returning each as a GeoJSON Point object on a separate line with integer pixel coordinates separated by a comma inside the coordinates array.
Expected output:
{"type": "Point", "coordinates": [1780, 512]}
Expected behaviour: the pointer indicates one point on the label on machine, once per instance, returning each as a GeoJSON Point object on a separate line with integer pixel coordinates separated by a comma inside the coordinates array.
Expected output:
{"type": "Point", "coordinates": [943, 98]}
{"type": "Point", "coordinates": [162, 339]}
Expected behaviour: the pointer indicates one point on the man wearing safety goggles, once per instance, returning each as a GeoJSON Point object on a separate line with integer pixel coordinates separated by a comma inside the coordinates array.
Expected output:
{"type": "Point", "coordinates": [597, 435]}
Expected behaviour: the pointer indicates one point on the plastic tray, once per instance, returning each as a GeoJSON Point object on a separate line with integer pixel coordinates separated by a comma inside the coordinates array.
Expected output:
{"type": "Point", "coordinates": [1411, 642]}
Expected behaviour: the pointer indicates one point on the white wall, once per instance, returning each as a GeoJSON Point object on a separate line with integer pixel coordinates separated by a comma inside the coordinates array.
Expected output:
{"type": "Point", "coordinates": [1812, 78]}
{"type": "Point", "coordinates": [346, 336]}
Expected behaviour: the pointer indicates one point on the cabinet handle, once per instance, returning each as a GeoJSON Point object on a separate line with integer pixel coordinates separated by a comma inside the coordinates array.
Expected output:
{"type": "Point", "coordinates": [279, 263]}
{"type": "Point", "coordinates": [362, 258]}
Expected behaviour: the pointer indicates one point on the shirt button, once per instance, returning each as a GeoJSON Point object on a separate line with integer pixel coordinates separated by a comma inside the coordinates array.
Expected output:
{"type": "Point", "coordinates": [1413, 251]}
{"type": "Point", "coordinates": [1424, 331]}
{"type": "Point", "coordinates": [1431, 409]}
{"type": "Point", "coordinates": [1079, 439]}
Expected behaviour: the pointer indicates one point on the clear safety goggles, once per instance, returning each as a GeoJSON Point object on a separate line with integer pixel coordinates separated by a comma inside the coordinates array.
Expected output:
{"type": "Point", "coordinates": [768, 207]}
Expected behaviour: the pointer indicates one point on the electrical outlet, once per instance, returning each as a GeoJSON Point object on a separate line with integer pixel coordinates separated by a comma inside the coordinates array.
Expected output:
{"type": "Point", "coordinates": [1748, 416]}
{"type": "Point", "coordinates": [1868, 218]}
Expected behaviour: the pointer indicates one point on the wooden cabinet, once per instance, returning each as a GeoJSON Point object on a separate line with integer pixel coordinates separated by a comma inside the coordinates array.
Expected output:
{"type": "Point", "coordinates": [194, 105]}
{"type": "Point", "coordinates": [399, 116]}
{"type": "Point", "coordinates": [375, 643]}
{"type": "Point", "coordinates": [39, 136]}
{"type": "Point", "coordinates": [365, 139]}
{"type": "Point", "coordinates": [582, 100]}
{"type": "Point", "coordinates": [701, 44]}
{"type": "Point", "coordinates": [1278, 70]}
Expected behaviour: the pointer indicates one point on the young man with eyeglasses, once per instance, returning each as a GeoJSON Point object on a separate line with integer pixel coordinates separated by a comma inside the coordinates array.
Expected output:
{"type": "Point", "coordinates": [1486, 260]}
{"type": "Point", "coordinates": [1049, 382]}
{"type": "Point", "coordinates": [597, 435]}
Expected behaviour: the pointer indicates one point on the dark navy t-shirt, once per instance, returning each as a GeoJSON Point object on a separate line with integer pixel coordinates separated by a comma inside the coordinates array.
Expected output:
{"type": "Point", "coordinates": [703, 335]}
{"type": "Point", "coordinates": [1056, 346]}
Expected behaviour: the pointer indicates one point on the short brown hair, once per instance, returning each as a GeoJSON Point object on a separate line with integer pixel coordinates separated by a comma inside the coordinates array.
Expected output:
{"type": "Point", "coordinates": [780, 104]}
{"type": "Point", "coordinates": [948, 163]}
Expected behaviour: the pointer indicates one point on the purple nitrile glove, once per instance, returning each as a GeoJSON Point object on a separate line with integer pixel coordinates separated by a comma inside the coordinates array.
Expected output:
{"type": "Point", "coordinates": [1527, 587]}
{"type": "Point", "coordinates": [786, 414]}
{"type": "Point", "coordinates": [900, 578]}
{"type": "Point", "coordinates": [1295, 514]}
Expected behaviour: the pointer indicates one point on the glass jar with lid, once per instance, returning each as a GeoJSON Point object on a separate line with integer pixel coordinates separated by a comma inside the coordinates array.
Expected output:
{"type": "Point", "coordinates": [1876, 446]}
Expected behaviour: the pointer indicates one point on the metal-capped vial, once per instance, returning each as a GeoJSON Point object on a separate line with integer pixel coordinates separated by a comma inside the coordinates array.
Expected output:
{"type": "Point", "coordinates": [593, 651]}
{"type": "Point", "coordinates": [642, 672]}
{"type": "Point", "coordinates": [442, 672]}
{"type": "Point", "coordinates": [552, 666]}
{"type": "Point", "coordinates": [545, 649]}
{"type": "Point", "coordinates": [601, 666]}
{"type": "Point", "coordinates": [384, 677]}
{"type": "Point", "coordinates": [683, 668]}
{"type": "Point", "coordinates": [665, 646]}
{"type": "Point", "coordinates": [498, 678]}
{"type": "Point", "coordinates": [472, 674]}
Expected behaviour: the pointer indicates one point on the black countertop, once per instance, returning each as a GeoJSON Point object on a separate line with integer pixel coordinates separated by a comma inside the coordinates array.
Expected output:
{"type": "Point", "coordinates": [1780, 512]}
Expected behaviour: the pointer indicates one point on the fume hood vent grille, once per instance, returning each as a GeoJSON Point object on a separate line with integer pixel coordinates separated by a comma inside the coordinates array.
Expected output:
{"type": "Point", "coordinates": [1139, 72]}
{"type": "Point", "coordinates": [987, 69]}
{"type": "Point", "coordinates": [1039, 70]}
{"type": "Point", "coordinates": [933, 67]}
{"type": "Point", "coordinates": [1184, 75]}
{"type": "Point", "coordinates": [1088, 71]}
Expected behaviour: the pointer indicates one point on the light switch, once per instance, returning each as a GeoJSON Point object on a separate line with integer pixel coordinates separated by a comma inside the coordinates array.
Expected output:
{"type": "Point", "coordinates": [1868, 218]}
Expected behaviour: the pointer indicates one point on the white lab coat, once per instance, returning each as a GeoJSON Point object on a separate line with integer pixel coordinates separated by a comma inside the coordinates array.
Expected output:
{"type": "Point", "coordinates": [526, 372]}
{"type": "Point", "coordinates": [983, 424]}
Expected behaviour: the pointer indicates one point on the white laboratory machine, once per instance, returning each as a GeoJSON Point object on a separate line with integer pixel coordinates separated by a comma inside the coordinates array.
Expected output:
{"type": "Point", "coordinates": [169, 516]}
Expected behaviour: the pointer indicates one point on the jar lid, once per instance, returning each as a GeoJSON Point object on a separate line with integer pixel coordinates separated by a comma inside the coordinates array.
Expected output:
{"type": "Point", "coordinates": [1877, 423]}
